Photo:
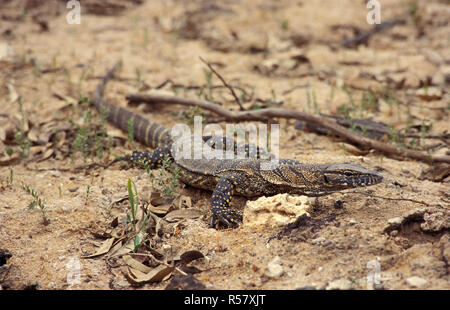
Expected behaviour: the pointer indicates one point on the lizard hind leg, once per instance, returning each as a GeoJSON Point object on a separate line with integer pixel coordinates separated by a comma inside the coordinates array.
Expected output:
{"type": "Point", "coordinates": [220, 205]}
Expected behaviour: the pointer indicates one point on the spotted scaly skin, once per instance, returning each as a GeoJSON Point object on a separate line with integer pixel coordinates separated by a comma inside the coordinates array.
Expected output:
{"type": "Point", "coordinates": [227, 177]}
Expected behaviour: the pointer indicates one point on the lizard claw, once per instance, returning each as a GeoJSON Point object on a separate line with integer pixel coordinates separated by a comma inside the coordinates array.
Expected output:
{"type": "Point", "coordinates": [230, 218]}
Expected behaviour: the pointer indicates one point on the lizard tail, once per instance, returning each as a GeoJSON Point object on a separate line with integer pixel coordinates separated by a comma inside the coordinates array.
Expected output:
{"type": "Point", "coordinates": [145, 130]}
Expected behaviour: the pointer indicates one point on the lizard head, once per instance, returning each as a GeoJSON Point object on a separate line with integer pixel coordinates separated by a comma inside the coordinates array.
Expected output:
{"type": "Point", "coordinates": [342, 176]}
{"type": "Point", "coordinates": [320, 179]}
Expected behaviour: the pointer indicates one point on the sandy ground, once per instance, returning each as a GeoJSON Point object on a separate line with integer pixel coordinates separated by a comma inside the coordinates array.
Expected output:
{"type": "Point", "coordinates": [285, 51]}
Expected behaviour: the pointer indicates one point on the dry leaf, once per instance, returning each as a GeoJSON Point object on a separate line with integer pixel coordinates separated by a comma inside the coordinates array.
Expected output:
{"type": "Point", "coordinates": [436, 173]}
{"type": "Point", "coordinates": [190, 256]}
{"type": "Point", "coordinates": [160, 210]}
{"type": "Point", "coordinates": [69, 100]}
{"type": "Point", "coordinates": [429, 93]}
{"type": "Point", "coordinates": [176, 215]}
{"type": "Point", "coordinates": [354, 150]}
{"type": "Point", "coordinates": [59, 138]}
{"type": "Point", "coordinates": [104, 248]}
{"type": "Point", "coordinates": [125, 249]}
{"type": "Point", "coordinates": [156, 199]}
{"type": "Point", "coordinates": [13, 96]}
{"type": "Point", "coordinates": [116, 133]}
{"type": "Point", "coordinates": [135, 264]}
{"type": "Point", "coordinates": [115, 248]}
{"type": "Point", "coordinates": [118, 198]}
{"type": "Point", "coordinates": [33, 135]}
{"type": "Point", "coordinates": [157, 274]}
{"type": "Point", "coordinates": [13, 160]}
{"type": "Point", "coordinates": [183, 202]}
{"type": "Point", "coordinates": [47, 154]}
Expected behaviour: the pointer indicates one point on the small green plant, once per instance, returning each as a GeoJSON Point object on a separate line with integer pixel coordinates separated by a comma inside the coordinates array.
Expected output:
{"type": "Point", "coordinates": [10, 178]}
{"type": "Point", "coordinates": [272, 101]}
{"type": "Point", "coordinates": [209, 84]}
{"type": "Point", "coordinates": [139, 82]}
{"type": "Point", "coordinates": [350, 96]}
{"type": "Point", "coordinates": [80, 81]}
{"type": "Point", "coordinates": [176, 90]}
{"type": "Point", "coordinates": [145, 39]}
{"type": "Point", "coordinates": [187, 116]}
{"type": "Point", "coordinates": [395, 137]}
{"type": "Point", "coordinates": [308, 99]}
{"type": "Point", "coordinates": [36, 69]}
{"type": "Point", "coordinates": [68, 79]}
{"type": "Point", "coordinates": [9, 151]}
{"type": "Point", "coordinates": [91, 138]}
{"type": "Point", "coordinates": [37, 202]}
{"type": "Point", "coordinates": [20, 134]}
{"type": "Point", "coordinates": [138, 228]}
{"type": "Point", "coordinates": [315, 105]}
{"type": "Point", "coordinates": [344, 148]}
{"type": "Point", "coordinates": [257, 107]}
{"type": "Point", "coordinates": [344, 111]}
{"type": "Point", "coordinates": [413, 9]}
{"type": "Point", "coordinates": [369, 101]}
{"type": "Point", "coordinates": [133, 197]}
{"type": "Point", "coordinates": [88, 192]}
{"type": "Point", "coordinates": [167, 179]}
{"type": "Point", "coordinates": [81, 143]}
{"type": "Point", "coordinates": [413, 144]}
{"type": "Point", "coordinates": [331, 97]}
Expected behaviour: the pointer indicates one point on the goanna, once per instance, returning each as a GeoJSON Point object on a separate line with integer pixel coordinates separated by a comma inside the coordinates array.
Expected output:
{"type": "Point", "coordinates": [227, 177]}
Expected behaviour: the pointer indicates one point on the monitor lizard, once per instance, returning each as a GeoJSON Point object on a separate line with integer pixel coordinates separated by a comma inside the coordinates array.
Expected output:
{"type": "Point", "coordinates": [227, 177]}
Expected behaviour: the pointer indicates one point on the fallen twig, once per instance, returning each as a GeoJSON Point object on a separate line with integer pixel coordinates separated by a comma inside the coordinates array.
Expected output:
{"type": "Point", "coordinates": [238, 101]}
{"type": "Point", "coordinates": [364, 37]}
{"type": "Point", "coordinates": [266, 114]}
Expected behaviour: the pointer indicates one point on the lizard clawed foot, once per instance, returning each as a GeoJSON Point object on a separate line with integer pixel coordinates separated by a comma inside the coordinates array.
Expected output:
{"type": "Point", "coordinates": [230, 218]}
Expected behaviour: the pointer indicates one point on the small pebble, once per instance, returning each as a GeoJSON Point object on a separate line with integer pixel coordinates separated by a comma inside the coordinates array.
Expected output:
{"type": "Point", "coordinates": [395, 220]}
{"type": "Point", "coordinates": [274, 269]}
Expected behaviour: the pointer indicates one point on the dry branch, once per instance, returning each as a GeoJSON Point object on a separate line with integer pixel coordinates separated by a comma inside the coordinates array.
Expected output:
{"type": "Point", "coordinates": [266, 114]}
{"type": "Point", "coordinates": [224, 83]}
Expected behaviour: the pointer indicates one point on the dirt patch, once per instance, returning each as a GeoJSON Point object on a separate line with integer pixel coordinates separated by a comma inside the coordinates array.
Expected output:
{"type": "Point", "coordinates": [288, 55]}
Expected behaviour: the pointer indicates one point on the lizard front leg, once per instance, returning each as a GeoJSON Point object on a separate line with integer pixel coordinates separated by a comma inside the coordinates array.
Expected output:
{"type": "Point", "coordinates": [151, 160]}
{"type": "Point", "coordinates": [220, 204]}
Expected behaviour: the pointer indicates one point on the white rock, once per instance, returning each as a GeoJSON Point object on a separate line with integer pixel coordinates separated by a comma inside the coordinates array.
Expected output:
{"type": "Point", "coordinates": [318, 240]}
{"type": "Point", "coordinates": [340, 284]}
{"type": "Point", "coordinates": [274, 269]}
{"type": "Point", "coordinates": [275, 211]}
{"type": "Point", "coordinates": [395, 220]}
{"type": "Point", "coordinates": [416, 281]}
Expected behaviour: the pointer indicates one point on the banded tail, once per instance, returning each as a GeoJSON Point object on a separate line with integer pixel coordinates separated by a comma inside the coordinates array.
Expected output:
{"type": "Point", "coordinates": [145, 130]}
